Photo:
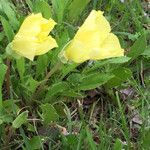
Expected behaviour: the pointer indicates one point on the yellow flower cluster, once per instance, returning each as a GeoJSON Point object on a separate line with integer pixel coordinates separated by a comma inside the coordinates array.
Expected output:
{"type": "Point", "coordinates": [93, 40]}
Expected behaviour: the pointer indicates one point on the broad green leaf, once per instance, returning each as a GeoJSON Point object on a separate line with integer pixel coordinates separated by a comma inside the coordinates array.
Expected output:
{"type": "Point", "coordinates": [68, 68]}
{"type": "Point", "coordinates": [138, 47]}
{"type": "Point", "coordinates": [119, 60]}
{"type": "Point", "coordinates": [6, 118]}
{"type": "Point", "coordinates": [44, 8]}
{"type": "Point", "coordinates": [118, 145]}
{"type": "Point", "coordinates": [32, 84]}
{"type": "Point", "coordinates": [8, 105]}
{"type": "Point", "coordinates": [7, 29]}
{"type": "Point", "coordinates": [49, 113]}
{"type": "Point", "coordinates": [35, 142]}
{"type": "Point", "coordinates": [55, 89]}
{"type": "Point", "coordinates": [75, 79]}
{"type": "Point", "coordinates": [76, 8]}
{"type": "Point", "coordinates": [21, 119]}
{"type": "Point", "coordinates": [121, 74]}
{"type": "Point", "coordinates": [99, 64]}
{"type": "Point", "coordinates": [94, 80]}
{"type": "Point", "coordinates": [72, 93]}
{"type": "Point", "coordinates": [20, 63]}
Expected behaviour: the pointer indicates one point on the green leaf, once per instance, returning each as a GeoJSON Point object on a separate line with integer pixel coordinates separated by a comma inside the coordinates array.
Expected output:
{"type": "Point", "coordinates": [6, 118]}
{"type": "Point", "coordinates": [138, 47]}
{"type": "Point", "coordinates": [56, 88]}
{"type": "Point", "coordinates": [59, 8]}
{"type": "Point", "coordinates": [74, 79]}
{"type": "Point", "coordinates": [1, 121]}
{"type": "Point", "coordinates": [3, 69]}
{"type": "Point", "coordinates": [72, 141]}
{"type": "Point", "coordinates": [121, 74]}
{"type": "Point", "coordinates": [31, 84]}
{"type": "Point", "coordinates": [44, 8]}
{"type": "Point", "coordinates": [7, 28]}
{"type": "Point", "coordinates": [76, 8]}
{"type": "Point", "coordinates": [20, 63]}
{"type": "Point", "coordinates": [94, 80]}
{"type": "Point", "coordinates": [119, 60]}
{"type": "Point", "coordinates": [8, 9]}
{"type": "Point", "coordinates": [98, 64]}
{"type": "Point", "coordinates": [118, 145]}
{"type": "Point", "coordinates": [91, 143]}
{"type": "Point", "coordinates": [2, 34]}
{"type": "Point", "coordinates": [146, 52]}
{"type": "Point", "coordinates": [72, 93]}
{"type": "Point", "coordinates": [68, 68]}
{"type": "Point", "coordinates": [35, 142]}
{"type": "Point", "coordinates": [21, 119]}
{"type": "Point", "coordinates": [145, 140]}
{"type": "Point", "coordinates": [42, 63]}
{"type": "Point", "coordinates": [49, 113]}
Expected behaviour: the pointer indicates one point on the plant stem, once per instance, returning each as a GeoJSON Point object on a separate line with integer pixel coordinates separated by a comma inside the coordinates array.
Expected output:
{"type": "Point", "coordinates": [50, 73]}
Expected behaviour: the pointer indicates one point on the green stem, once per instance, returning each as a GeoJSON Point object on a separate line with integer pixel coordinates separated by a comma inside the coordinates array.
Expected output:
{"type": "Point", "coordinates": [50, 73]}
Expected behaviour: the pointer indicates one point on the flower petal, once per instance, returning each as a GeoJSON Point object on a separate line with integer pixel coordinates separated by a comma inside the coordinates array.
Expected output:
{"type": "Point", "coordinates": [110, 48]}
{"type": "Point", "coordinates": [94, 30]}
{"type": "Point", "coordinates": [76, 52]}
{"type": "Point", "coordinates": [31, 25]}
{"type": "Point", "coordinates": [25, 47]}
{"type": "Point", "coordinates": [46, 27]}
{"type": "Point", "coordinates": [44, 46]}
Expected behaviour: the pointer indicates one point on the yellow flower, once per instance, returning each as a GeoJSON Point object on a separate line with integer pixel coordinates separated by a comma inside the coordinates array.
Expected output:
{"type": "Point", "coordinates": [93, 41]}
{"type": "Point", "coordinates": [33, 37]}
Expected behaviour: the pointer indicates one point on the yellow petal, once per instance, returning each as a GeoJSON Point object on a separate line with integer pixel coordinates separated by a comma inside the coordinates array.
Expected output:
{"type": "Point", "coordinates": [46, 27]}
{"type": "Point", "coordinates": [31, 25]}
{"type": "Point", "coordinates": [109, 48]}
{"type": "Point", "coordinates": [44, 46]}
{"type": "Point", "coordinates": [77, 52]}
{"type": "Point", "coordinates": [94, 30]}
{"type": "Point", "coordinates": [25, 47]}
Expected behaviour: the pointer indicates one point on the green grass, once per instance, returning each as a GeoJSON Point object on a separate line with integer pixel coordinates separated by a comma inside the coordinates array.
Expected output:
{"type": "Point", "coordinates": [81, 106]}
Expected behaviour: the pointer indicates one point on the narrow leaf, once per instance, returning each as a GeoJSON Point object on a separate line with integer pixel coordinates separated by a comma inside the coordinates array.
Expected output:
{"type": "Point", "coordinates": [7, 28]}
{"type": "Point", "coordinates": [21, 119]}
